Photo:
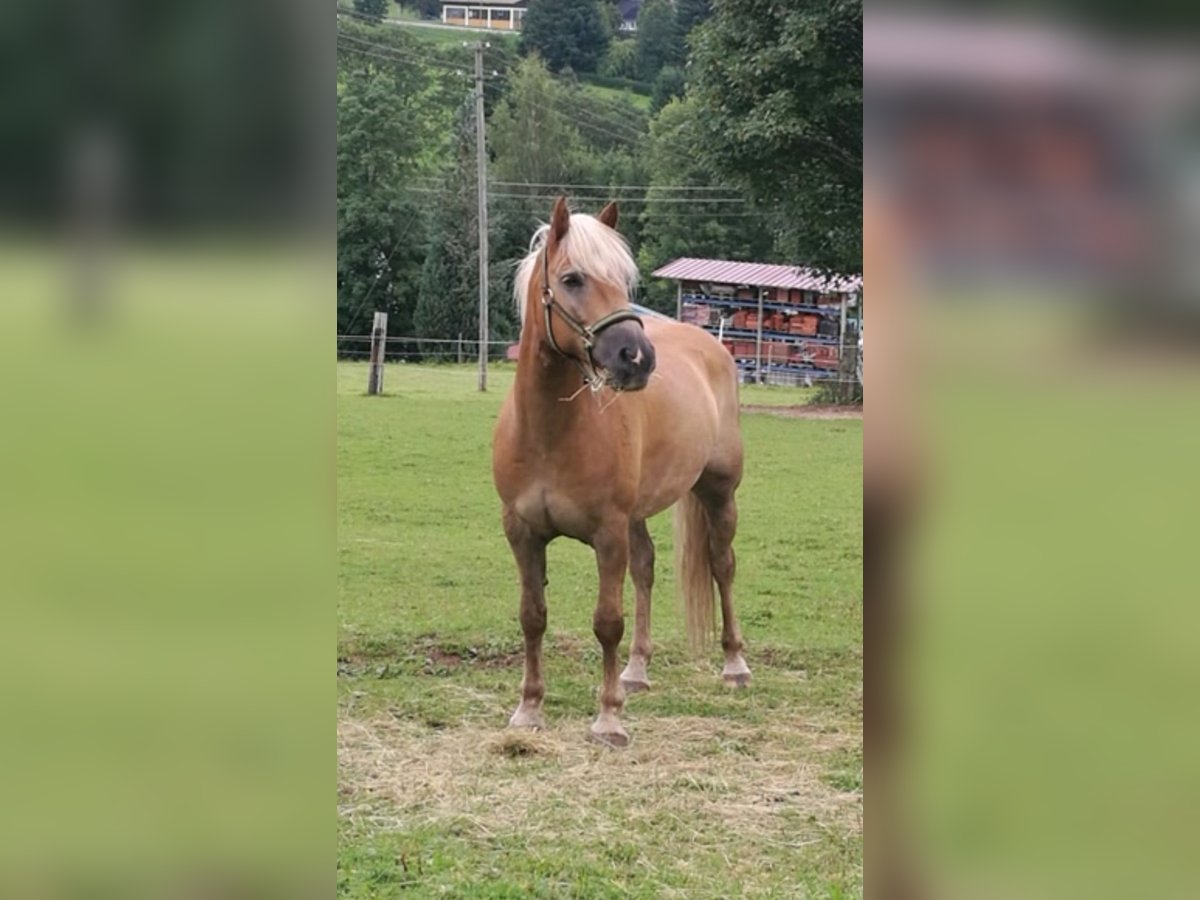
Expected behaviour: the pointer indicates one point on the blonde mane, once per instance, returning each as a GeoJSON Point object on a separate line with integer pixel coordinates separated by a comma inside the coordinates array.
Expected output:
{"type": "Point", "coordinates": [592, 246]}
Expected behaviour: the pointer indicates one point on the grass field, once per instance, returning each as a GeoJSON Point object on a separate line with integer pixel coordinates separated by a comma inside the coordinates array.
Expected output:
{"type": "Point", "coordinates": [455, 37]}
{"type": "Point", "coordinates": [618, 95]}
{"type": "Point", "coordinates": [721, 794]}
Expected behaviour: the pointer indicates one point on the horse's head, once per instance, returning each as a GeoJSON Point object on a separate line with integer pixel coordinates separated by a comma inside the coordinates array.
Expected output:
{"type": "Point", "coordinates": [586, 275]}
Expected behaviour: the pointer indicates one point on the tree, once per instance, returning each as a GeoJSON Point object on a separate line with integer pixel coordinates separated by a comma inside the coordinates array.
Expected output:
{"type": "Point", "coordinates": [667, 86]}
{"type": "Point", "coordinates": [534, 141]}
{"type": "Point", "coordinates": [389, 114]}
{"type": "Point", "coordinates": [780, 87]}
{"type": "Point", "coordinates": [448, 301]}
{"type": "Point", "coordinates": [428, 9]}
{"type": "Point", "coordinates": [659, 39]}
{"type": "Point", "coordinates": [372, 10]}
{"type": "Point", "coordinates": [691, 13]}
{"type": "Point", "coordinates": [566, 34]}
{"type": "Point", "coordinates": [621, 60]}
{"type": "Point", "coordinates": [695, 227]}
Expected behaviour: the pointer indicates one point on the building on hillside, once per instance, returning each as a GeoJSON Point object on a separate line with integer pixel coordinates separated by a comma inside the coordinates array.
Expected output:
{"type": "Point", "coordinates": [781, 324]}
{"type": "Point", "coordinates": [504, 15]}
{"type": "Point", "coordinates": [629, 10]}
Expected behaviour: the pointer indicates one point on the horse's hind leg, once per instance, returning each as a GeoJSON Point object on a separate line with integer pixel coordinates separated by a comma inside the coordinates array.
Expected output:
{"type": "Point", "coordinates": [530, 552]}
{"type": "Point", "coordinates": [641, 571]}
{"type": "Point", "coordinates": [717, 496]}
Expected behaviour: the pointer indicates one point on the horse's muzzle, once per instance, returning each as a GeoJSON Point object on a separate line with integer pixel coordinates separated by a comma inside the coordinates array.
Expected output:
{"type": "Point", "coordinates": [626, 355]}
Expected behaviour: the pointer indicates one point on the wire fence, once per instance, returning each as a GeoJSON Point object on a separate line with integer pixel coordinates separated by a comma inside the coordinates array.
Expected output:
{"type": "Point", "coordinates": [435, 351]}
{"type": "Point", "coordinates": [418, 350]}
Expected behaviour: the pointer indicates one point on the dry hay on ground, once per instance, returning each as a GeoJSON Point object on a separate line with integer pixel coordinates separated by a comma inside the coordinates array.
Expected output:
{"type": "Point", "coordinates": [708, 778]}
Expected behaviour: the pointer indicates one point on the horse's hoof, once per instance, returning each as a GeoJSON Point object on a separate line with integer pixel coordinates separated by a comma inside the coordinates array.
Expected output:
{"type": "Point", "coordinates": [610, 733]}
{"type": "Point", "coordinates": [736, 673]}
{"type": "Point", "coordinates": [527, 718]}
{"type": "Point", "coordinates": [632, 687]}
{"type": "Point", "coordinates": [634, 678]}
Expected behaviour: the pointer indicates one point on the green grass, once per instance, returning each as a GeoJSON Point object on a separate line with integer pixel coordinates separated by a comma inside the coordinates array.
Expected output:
{"type": "Point", "coordinates": [754, 793]}
{"type": "Point", "coordinates": [454, 37]}
{"type": "Point", "coordinates": [776, 395]}
{"type": "Point", "coordinates": [617, 95]}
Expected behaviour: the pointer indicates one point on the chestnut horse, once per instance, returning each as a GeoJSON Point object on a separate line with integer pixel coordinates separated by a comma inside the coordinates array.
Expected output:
{"type": "Point", "coordinates": [611, 420]}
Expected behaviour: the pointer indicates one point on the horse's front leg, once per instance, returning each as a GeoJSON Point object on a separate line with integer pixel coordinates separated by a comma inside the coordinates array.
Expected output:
{"type": "Point", "coordinates": [641, 572]}
{"type": "Point", "coordinates": [608, 623]}
{"type": "Point", "coordinates": [530, 552]}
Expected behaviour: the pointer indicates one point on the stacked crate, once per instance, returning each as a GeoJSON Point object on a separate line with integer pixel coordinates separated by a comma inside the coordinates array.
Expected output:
{"type": "Point", "coordinates": [699, 314]}
{"type": "Point", "coordinates": [804, 323]}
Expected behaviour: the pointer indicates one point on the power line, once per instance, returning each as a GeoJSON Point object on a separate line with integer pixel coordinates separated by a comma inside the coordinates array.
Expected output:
{"type": "Point", "coordinates": [396, 53]}
{"type": "Point", "coordinates": [671, 200]}
{"type": "Point", "coordinates": [646, 201]}
{"type": "Point", "coordinates": [611, 187]}
{"type": "Point", "coordinates": [583, 119]}
{"type": "Point", "coordinates": [580, 86]}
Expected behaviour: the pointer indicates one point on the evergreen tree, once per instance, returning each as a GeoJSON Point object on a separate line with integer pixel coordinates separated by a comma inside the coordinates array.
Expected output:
{"type": "Point", "coordinates": [667, 86]}
{"type": "Point", "coordinates": [566, 34]}
{"type": "Point", "coordinates": [383, 128]}
{"type": "Point", "coordinates": [373, 10]}
{"type": "Point", "coordinates": [659, 39]}
{"type": "Point", "coordinates": [691, 13]}
{"type": "Point", "coordinates": [448, 302]}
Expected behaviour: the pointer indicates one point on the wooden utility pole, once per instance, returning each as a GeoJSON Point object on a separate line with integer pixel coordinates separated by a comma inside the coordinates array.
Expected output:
{"type": "Point", "coordinates": [481, 181]}
{"type": "Point", "coordinates": [378, 342]}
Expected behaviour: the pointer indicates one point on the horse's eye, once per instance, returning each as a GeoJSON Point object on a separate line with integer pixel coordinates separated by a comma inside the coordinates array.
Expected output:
{"type": "Point", "coordinates": [573, 280]}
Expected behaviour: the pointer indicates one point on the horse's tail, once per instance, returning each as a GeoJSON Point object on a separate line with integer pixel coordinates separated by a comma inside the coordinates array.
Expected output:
{"type": "Point", "coordinates": [693, 570]}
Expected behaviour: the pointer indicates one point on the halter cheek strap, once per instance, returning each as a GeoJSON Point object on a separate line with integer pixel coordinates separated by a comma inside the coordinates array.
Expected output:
{"type": "Point", "coordinates": [588, 333]}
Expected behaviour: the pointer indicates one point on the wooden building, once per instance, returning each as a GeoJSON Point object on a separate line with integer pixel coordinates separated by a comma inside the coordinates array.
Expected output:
{"type": "Point", "coordinates": [782, 324]}
{"type": "Point", "coordinates": [504, 15]}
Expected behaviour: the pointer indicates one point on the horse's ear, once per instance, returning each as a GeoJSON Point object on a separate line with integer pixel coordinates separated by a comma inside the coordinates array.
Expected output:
{"type": "Point", "coordinates": [608, 215]}
{"type": "Point", "coordinates": [560, 219]}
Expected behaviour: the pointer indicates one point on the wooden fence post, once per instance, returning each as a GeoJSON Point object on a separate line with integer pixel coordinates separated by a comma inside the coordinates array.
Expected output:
{"type": "Point", "coordinates": [378, 341]}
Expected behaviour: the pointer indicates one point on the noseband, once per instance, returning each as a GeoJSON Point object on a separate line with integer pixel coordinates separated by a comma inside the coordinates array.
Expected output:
{"type": "Point", "coordinates": [589, 333]}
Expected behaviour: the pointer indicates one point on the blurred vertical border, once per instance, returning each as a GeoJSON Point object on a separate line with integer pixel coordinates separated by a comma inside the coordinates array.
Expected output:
{"type": "Point", "coordinates": [167, 449]}
{"type": "Point", "coordinates": [1032, 224]}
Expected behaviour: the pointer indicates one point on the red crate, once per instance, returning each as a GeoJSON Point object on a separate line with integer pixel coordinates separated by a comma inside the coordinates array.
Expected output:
{"type": "Point", "coordinates": [776, 351]}
{"type": "Point", "coordinates": [805, 323]}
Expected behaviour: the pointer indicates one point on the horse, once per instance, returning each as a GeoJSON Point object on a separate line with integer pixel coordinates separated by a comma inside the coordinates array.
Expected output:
{"type": "Point", "coordinates": [607, 424]}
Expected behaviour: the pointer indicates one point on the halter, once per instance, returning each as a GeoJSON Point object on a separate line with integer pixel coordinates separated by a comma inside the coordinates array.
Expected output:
{"type": "Point", "coordinates": [589, 333]}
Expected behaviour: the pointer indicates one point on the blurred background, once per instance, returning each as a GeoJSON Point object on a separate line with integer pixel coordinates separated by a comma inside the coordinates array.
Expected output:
{"type": "Point", "coordinates": [166, 545]}
{"type": "Point", "coordinates": [1031, 233]}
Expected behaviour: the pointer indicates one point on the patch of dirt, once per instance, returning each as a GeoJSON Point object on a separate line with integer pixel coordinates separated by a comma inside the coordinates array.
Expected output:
{"type": "Point", "coordinates": [428, 657]}
{"type": "Point", "coordinates": [807, 411]}
{"type": "Point", "coordinates": [500, 661]}
{"type": "Point", "coordinates": [440, 657]}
